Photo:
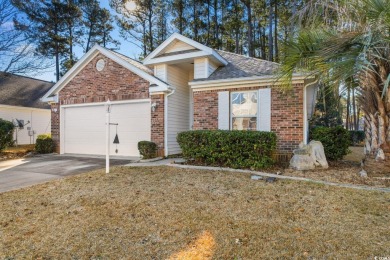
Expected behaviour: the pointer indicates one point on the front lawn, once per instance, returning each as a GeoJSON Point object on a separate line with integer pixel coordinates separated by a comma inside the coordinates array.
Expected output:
{"type": "Point", "coordinates": [165, 212]}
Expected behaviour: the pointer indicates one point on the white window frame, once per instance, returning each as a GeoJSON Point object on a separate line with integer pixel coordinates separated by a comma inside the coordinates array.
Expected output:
{"type": "Point", "coordinates": [244, 116]}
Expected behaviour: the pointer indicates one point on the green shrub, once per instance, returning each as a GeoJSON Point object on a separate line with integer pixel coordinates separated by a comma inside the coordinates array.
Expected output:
{"type": "Point", "coordinates": [335, 140]}
{"type": "Point", "coordinates": [147, 149]}
{"type": "Point", "coordinates": [44, 144]}
{"type": "Point", "coordinates": [235, 149]}
{"type": "Point", "coordinates": [6, 134]}
{"type": "Point", "coordinates": [356, 137]}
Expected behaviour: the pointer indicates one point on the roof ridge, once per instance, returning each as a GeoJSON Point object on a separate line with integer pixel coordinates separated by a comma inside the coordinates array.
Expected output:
{"type": "Point", "coordinates": [115, 52]}
{"type": "Point", "coordinates": [241, 55]}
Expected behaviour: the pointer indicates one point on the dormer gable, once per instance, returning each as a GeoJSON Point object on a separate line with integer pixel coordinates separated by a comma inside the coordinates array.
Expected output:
{"type": "Point", "coordinates": [178, 48]}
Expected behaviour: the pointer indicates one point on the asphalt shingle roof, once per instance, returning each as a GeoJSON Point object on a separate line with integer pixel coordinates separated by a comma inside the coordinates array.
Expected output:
{"type": "Point", "coordinates": [133, 62]}
{"type": "Point", "coordinates": [22, 91]}
{"type": "Point", "coordinates": [240, 66]}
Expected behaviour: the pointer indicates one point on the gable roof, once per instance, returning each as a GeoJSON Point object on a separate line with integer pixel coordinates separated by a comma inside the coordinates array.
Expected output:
{"type": "Point", "coordinates": [22, 91]}
{"type": "Point", "coordinates": [132, 65]}
{"type": "Point", "coordinates": [240, 66]}
{"type": "Point", "coordinates": [200, 50]}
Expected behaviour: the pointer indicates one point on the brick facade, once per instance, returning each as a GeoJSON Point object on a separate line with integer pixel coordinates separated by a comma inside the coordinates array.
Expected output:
{"type": "Point", "coordinates": [55, 125]}
{"type": "Point", "coordinates": [286, 113]}
{"type": "Point", "coordinates": [158, 123]}
{"type": "Point", "coordinates": [114, 82]}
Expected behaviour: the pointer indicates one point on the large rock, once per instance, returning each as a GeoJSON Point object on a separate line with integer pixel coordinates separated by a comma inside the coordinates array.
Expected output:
{"type": "Point", "coordinates": [318, 154]}
{"type": "Point", "coordinates": [307, 157]}
{"type": "Point", "coordinates": [302, 162]}
{"type": "Point", "coordinates": [380, 155]}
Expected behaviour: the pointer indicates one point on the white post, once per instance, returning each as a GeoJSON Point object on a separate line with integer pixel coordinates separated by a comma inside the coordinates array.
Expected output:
{"type": "Point", "coordinates": [108, 108]}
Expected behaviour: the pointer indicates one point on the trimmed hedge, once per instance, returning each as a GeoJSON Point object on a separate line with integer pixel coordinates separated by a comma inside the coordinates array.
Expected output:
{"type": "Point", "coordinates": [147, 149]}
{"type": "Point", "coordinates": [6, 134]}
{"type": "Point", "coordinates": [335, 140]}
{"type": "Point", "coordinates": [235, 149]}
{"type": "Point", "coordinates": [44, 144]}
{"type": "Point", "coordinates": [357, 137]}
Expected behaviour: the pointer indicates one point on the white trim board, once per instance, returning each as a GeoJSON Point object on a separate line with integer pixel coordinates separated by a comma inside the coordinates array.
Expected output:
{"type": "Point", "coordinates": [103, 103]}
{"type": "Point", "coordinates": [21, 108]}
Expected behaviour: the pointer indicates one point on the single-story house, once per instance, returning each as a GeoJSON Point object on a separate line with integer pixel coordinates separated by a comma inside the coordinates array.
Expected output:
{"type": "Point", "coordinates": [181, 85]}
{"type": "Point", "coordinates": [20, 103]}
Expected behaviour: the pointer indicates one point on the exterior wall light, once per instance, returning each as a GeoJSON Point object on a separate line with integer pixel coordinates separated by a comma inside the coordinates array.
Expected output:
{"type": "Point", "coordinates": [154, 106]}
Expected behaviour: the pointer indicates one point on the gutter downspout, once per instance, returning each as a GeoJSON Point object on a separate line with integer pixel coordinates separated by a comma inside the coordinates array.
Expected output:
{"type": "Point", "coordinates": [166, 121]}
{"type": "Point", "coordinates": [305, 119]}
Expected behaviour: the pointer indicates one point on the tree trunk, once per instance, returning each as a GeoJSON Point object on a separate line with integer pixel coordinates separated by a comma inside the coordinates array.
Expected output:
{"type": "Point", "coordinates": [150, 21]}
{"type": "Point", "coordinates": [276, 31]}
{"type": "Point", "coordinates": [354, 109]}
{"type": "Point", "coordinates": [216, 25]}
{"type": "Point", "coordinates": [367, 131]}
{"type": "Point", "coordinates": [270, 31]}
{"type": "Point", "coordinates": [89, 38]}
{"type": "Point", "coordinates": [57, 55]}
{"type": "Point", "coordinates": [373, 134]}
{"type": "Point", "coordinates": [181, 16]}
{"type": "Point", "coordinates": [208, 22]}
{"type": "Point", "coordinates": [250, 43]}
{"type": "Point", "coordinates": [194, 12]}
{"type": "Point", "coordinates": [348, 108]}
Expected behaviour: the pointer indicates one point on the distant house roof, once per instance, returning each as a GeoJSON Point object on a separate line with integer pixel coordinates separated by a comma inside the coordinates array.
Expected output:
{"type": "Point", "coordinates": [22, 91]}
{"type": "Point", "coordinates": [240, 66]}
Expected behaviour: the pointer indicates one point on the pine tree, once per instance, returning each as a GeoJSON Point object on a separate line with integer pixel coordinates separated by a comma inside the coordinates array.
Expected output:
{"type": "Point", "coordinates": [46, 20]}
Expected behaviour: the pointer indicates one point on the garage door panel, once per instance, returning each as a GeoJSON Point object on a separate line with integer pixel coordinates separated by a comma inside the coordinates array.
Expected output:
{"type": "Point", "coordinates": [84, 128]}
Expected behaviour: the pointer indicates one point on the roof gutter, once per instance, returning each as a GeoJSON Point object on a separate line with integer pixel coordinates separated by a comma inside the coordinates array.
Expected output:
{"type": "Point", "coordinates": [166, 121]}
{"type": "Point", "coordinates": [297, 78]}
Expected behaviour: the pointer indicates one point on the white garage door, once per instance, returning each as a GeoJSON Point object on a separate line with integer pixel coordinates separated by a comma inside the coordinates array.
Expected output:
{"type": "Point", "coordinates": [84, 128]}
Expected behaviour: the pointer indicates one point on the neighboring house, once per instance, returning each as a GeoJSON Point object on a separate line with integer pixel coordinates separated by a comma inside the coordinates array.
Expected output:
{"type": "Point", "coordinates": [181, 85]}
{"type": "Point", "coordinates": [20, 103]}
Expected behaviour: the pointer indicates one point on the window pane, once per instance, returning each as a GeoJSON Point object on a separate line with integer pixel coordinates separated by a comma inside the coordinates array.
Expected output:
{"type": "Point", "coordinates": [244, 104]}
{"type": "Point", "coordinates": [244, 123]}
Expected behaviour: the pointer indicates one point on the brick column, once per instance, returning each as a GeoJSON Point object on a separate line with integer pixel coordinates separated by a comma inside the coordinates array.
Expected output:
{"type": "Point", "coordinates": [55, 125]}
{"type": "Point", "coordinates": [157, 124]}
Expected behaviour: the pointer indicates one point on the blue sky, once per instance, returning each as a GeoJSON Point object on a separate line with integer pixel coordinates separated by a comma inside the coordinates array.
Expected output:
{"type": "Point", "coordinates": [125, 48]}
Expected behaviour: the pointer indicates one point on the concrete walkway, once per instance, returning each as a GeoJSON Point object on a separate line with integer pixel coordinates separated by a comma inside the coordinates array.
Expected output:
{"type": "Point", "coordinates": [171, 162]}
{"type": "Point", "coordinates": [16, 174]}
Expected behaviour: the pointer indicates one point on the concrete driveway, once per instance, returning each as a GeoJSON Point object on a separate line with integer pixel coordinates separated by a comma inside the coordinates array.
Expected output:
{"type": "Point", "coordinates": [19, 173]}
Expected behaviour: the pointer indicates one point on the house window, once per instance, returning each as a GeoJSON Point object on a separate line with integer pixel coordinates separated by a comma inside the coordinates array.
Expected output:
{"type": "Point", "coordinates": [243, 109]}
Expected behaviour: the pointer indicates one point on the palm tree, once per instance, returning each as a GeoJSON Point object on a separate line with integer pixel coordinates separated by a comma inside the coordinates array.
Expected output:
{"type": "Point", "coordinates": [348, 43]}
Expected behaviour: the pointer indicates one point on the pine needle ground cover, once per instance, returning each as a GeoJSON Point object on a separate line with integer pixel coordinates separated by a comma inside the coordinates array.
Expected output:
{"type": "Point", "coordinates": [169, 213]}
{"type": "Point", "coordinates": [347, 171]}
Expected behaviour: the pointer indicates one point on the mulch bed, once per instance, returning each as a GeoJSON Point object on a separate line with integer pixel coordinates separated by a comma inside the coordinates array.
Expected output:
{"type": "Point", "coordinates": [343, 172]}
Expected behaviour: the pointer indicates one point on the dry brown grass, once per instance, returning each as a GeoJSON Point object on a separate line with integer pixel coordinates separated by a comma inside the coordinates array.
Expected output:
{"type": "Point", "coordinates": [19, 151]}
{"type": "Point", "coordinates": [164, 212]}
